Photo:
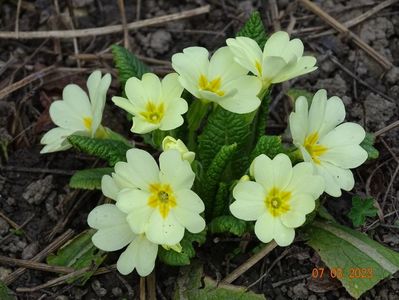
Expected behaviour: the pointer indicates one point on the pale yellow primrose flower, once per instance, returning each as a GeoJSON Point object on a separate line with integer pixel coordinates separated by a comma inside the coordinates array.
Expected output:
{"type": "Point", "coordinates": [279, 199]}
{"type": "Point", "coordinates": [281, 59]}
{"type": "Point", "coordinates": [333, 148]}
{"type": "Point", "coordinates": [171, 143]}
{"type": "Point", "coordinates": [114, 233]}
{"type": "Point", "coordinates": [76, 114]}
{"type": "Point", "coordinates": [220, 80]}
{"type": "Point", "coordinates": [162, 205]}
{"type": "Point", "coordinates": [154, 104]}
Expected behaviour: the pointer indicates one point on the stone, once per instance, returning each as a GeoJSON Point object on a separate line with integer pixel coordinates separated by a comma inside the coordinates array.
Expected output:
{"type": "Point", "coordinates": [160, 41]}
{"type": "Point", "coordinates": [38, 190]}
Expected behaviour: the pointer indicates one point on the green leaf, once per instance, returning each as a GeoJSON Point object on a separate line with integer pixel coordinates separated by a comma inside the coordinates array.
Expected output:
{"type": "Point", "coordinates": [222, 200]}
{"type": "Point", "coordinates": [223, 128]}
{"type": "Point", "coordinates": [128, 64]}
{"type": "Point", "coordinates": [214, 175]}
{"type": "Point", "coordinates": [293, 94]}
{"type": "Point", "coordinates": [173, 258]}
{"type": "Point", "coordinates": [269, 145]}
{"type": "Point", "coordinates": [254, 29]}
{"type": "Point", "coordinates": [5, 293]}
{"type": "Point", "coordinates": [228, 224]}
{"type": "Point", "coordinates": [89, 179]}
{"type": "Point", "coordinates": [191, 285]}
{"type": "Point", "coordinates": [361, 208]}
{"type": "Point", "coordinates": [78, 253]}
{"type": "Point", "coordinates": [110, 150]}
{"type": "Point", "coordinates": [368, 145]}
{"type": "Point", "coordinates": [260, 121]}
{"type": "Point", "coordinates": [363, 261]}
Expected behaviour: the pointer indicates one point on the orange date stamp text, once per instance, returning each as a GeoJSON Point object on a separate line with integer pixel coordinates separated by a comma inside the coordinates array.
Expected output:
{"type": "Point", "coordinates": [339, 273]}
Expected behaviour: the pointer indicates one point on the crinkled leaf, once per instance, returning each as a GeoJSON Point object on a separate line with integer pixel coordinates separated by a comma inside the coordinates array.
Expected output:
{"type": "Point", "coordinates": [260, 122]}
{"type": "Point", "coordinates": [107, 149]}
{"type": "Point", "coordinates": [222, 200]}
{"type": "Point", "coordinates": [294, 94]}
{"type": "Point", "coordinates": [5, 293]}
{"type": "Point", "coordinates": [89, 179]}
{"type": "Point", "coordinates": [361, 208]}
{"type": "Point", "coordinates": [254, 29]}
{"type": "Point", "coordinates": [214, 175]}
{"type": "Point", "coordinates": [173, 258]}
{"type": "Point", "coordinates": [368, 145]}
{"type": "Point", "coordinates": [228, 224]}
{"type": "Point", "coordinates": [128, 64]}
{"type": "Point", "coordinates": [223, 128]}
{"type": "Point", "coordinates": [347, 249]}
{"type": "Point", "coordinates": [190, 286]}
{"type": "Point", "coordinates": [269, 145]}
{"type": "Point", "coordinates": [78, 253]}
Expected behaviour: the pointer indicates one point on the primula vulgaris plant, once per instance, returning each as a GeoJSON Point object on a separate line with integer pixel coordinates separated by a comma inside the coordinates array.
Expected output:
{"type": "Point", "coordinates": [218, 171]}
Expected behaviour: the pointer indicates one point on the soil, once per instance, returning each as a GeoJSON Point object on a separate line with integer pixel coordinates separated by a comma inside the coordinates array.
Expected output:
{"type": "Point", "coordinates": [34, 188]}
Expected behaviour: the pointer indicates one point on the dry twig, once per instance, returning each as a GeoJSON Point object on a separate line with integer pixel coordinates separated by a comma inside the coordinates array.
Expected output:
{"type": "Point", "coordinates": [66, 34]}
{"type": "Point", "coordinates": [25, 81]}
{"type": "Point", "coordinates": [382, 60]}
{"type": "Point", "coordinates": [359, 19]}
{"type": "Point", "coordinates": [62, 239]}
{"type": "Point", "coordinates": [249, 263]}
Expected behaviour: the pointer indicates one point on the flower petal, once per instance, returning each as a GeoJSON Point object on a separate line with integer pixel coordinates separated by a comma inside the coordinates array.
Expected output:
{"type": "Point", "coordinates": [304, 182]}
{"type": "Point", "coordinates": [303, 203]}
{"type": "Point", "coordinates": [190, 65]}
{"type": "Point", "coordinates": [222, 65]}
{"type": "Point", "coordinates": [298, 120]}
{"type": "Point", "coordinates": [304, 65]}
{"type": "Point", "coordinates": [276, 43]}
{"type": "Point", "coordinates": [140, 254]}
{"type": "Point", "coordinates": [346, 157]}
{"type": "Point", "coordinates": [113, 238]}
{"type": "Point", "coordinates": [175, 171]}
{"type": "Point", "coordinates": [282, 170]}
{"type": "Point", "coordinates": [283, 235]}
{"type": "Point", "coordinates": [164, 230]}
{"type": "Point", "coordinates": [344, 135]}
{"type": "Point", "coordinates": [187, 199]}
{"type": "Point", "coordinates": [98, 88]}
{"type": "Point", "coordinates": [264, 228]}
{"type": "Point", "coordinates": [293, 219]}
{"type": "Point", "coordinates": [144, 169]}
{"type": "Point", "coordinates": [335, 178]}
{"type": "Point", "coordinates": [138, 218]}
{"type": "Point", "coordinates": [123, 175]}
{"type": "Point", "coordinates": [317, 111]}
{"type": "Point", "coordinates": [56, 140]}
{"type": "Point", "coordinates": [105, 216]}
{"type": "Point", "coordinates": [171, 87]}
{"type": "Point", "coordinates": [246, 52]}
{"type": "Point", "coordinates": [109, 187]}
{"type": "Point", "coordinates": [141, 126]}
{"type": "Point", "coordinates": [263, 171]}
{"type": "Point", "coordinates": [192, 221]}
{"type": "Point", "coordinates": [249, 204]}
{"type": "Point", "coordinates": [65, 117]}
{"type": "Point", "coordinates": [335, 115]}
{"type": "Point", "coordinates": [128, 200]}
{"type": "Point", "coordinates": [77, 100]}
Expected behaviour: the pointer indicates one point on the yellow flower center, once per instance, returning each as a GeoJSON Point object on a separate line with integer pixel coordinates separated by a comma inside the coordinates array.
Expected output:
{"type": "Point", "coordinates": [162, 197]}
{"type": "Point", "coordinates": [153, 113]}
{"type": "Point", "coordinates": [278, 202]}
{"type": "Point", "coordinates": [258, 67]}
{"type": "Point", "coordinates": [311, 145]}
{"type": "Point", "coordinates": [87, 121]}
{"type": "Point", "coordinates": [211, 86]}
